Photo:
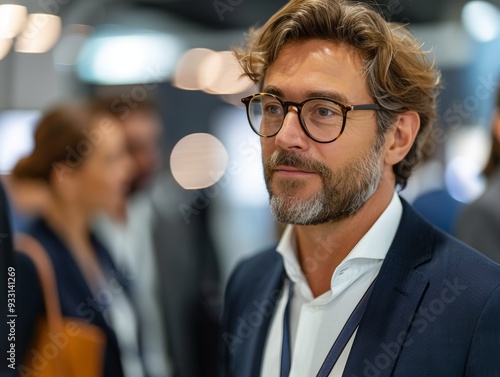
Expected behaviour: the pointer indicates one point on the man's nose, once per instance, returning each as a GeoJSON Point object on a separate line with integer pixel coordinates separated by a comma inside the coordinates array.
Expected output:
{"type": "Point", "coordinates": [291, 134]}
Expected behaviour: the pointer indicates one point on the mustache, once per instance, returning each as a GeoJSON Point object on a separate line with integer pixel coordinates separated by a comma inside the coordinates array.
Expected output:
{"type": "Point", "coordinates": [285, 158]}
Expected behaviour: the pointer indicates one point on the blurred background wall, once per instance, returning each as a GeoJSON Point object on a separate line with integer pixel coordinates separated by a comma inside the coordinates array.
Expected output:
{"type": "Point", "coordinates": [172, 51]}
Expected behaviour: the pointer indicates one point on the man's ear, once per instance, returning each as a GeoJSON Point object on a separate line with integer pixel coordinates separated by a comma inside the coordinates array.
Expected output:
{"type": "Point", "coordinates": [496, 125]}
{"type": "Point", "coordinates": [401, 136]}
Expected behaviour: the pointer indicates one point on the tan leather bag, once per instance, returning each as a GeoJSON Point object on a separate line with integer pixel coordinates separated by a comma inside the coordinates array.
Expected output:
{"type": "Point", "coordinates": [62, 346]}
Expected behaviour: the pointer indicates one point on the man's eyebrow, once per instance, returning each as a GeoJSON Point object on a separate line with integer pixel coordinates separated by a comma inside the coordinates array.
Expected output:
{"type": "Point", "coordinates": [316, 93]}
{"type": "Point", "coordinates": [273, 90]}
{"type": "Point", "coordinates": [329, 94]}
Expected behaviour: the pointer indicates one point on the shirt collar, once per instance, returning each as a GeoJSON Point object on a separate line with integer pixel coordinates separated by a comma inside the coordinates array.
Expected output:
{"type": "Point", "coordinates": [380, 234]}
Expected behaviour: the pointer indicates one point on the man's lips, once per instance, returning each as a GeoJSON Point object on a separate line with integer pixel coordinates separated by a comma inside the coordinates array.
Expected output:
{"type": "Point", "coordinates": [291, 171]}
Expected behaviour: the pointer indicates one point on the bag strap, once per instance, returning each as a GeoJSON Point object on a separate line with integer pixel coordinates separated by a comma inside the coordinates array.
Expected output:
{"type": "Point", "coordinates": [34, 250]}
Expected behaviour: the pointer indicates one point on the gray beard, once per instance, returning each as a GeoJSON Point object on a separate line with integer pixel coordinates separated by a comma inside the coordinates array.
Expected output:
{"type": "Point", "coordinates": [342, 195]}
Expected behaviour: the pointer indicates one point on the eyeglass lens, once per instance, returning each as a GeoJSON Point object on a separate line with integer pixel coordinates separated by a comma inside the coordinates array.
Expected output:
{"type": "Point", "coordinates": [323, 119]}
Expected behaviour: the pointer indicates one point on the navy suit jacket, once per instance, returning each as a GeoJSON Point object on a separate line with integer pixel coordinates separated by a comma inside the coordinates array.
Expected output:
{"type": "Point", "coordinates": [434, 310]}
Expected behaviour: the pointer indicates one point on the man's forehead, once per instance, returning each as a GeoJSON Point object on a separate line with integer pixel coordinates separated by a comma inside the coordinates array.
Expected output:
{"type": "Point", "coordinates": [332, 94]}
{"type": "Point", "coordinates": [314, 66]}
{"type": "Point", "coordinates": [311, 48]}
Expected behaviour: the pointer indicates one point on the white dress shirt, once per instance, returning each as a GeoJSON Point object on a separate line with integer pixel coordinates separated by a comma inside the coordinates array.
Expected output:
{"type": "Point", "coordinates": [315, 323]}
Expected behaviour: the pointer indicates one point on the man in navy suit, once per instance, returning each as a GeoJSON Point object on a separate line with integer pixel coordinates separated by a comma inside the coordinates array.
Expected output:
{"type": "Point", "coordinates": [359, 284]}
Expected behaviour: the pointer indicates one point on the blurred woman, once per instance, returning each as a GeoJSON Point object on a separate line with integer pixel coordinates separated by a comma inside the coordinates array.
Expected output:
{"type": "Point", "coordinates": [479, 223]}
{"type": "Point", "coordinates": [80, 156]}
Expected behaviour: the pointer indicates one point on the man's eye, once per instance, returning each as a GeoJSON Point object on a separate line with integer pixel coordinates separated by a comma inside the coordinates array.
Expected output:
{"type": "Point", "coordinates": [323, 111]}
{"type": "Point", "coordinates": [273, 109]}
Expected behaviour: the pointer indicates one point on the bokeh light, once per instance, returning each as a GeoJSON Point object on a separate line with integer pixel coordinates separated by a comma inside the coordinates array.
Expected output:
{"type": "Point", "coordinates": [115, 56]}
{"type": "Point", "coordinates": [12, 20]}
{"type": "Point", "coordinates": [187, 72]}
{"type": "Point", "coordinates": [198, 161]}
{"type": "Point", "coordinates": [40, 34]}
{"type": "Point", "coordinates": [481, 19]}
{"type": "Point", "coordinates": [220, 73]}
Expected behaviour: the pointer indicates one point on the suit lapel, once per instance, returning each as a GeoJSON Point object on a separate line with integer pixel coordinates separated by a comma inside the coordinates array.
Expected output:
{"type": "Point", "coordinates": [262, 305]}
{"type": "Point", "coordinates": [394, 300]}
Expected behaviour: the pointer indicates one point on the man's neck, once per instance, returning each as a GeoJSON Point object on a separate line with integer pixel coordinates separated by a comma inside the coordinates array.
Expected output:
{"type": "Point", "coordinates": [321, 248]}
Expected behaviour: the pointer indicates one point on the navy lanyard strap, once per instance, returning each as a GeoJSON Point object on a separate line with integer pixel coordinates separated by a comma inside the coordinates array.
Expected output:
{"type": "Point", "coordinates": [337, 347]}
{"type": "Point", "coordinates": [286, 353]}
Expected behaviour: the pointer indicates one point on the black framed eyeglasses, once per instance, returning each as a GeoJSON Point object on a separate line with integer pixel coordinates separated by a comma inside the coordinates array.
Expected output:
{"type": "Point", "coordinates": [322, 119]}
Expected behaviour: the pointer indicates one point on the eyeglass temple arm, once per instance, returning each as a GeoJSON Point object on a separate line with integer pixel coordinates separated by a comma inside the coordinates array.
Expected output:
{"type": "Point", "coordinates": [372, 106]}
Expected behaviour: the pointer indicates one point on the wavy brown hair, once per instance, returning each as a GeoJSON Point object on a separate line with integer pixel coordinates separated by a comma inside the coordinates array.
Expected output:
{"type": "Point", "coordinates": [59, 130]}
{"type": "Point", "coordinates": [400, 76]}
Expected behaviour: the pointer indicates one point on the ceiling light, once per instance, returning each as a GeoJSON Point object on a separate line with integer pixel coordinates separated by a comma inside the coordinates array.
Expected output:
{"type": "Point", "coordinates": [40, 34]}
{"type": "Point", "coordinates": [12, 19]}
{"type": "Point", "coordinates": [129, 58]}
{"type": "Point", "coordinates": [481, 19]}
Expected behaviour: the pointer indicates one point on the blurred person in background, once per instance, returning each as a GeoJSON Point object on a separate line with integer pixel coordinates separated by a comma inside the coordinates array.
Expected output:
{"type": "Point", "coordinates": [435, 203]}
{"type": "Point", "coordinates": [478, 224]}
{"type": "Point", "coordinates": [80, 157]}
{"type": "Point", "coordinates": [173, 263]}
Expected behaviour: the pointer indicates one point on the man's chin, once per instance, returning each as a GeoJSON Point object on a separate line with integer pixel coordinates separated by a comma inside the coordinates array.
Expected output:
{"type": "Point", "coordinates": [296, 190]}
{"type": "Point", "coordinates": [296, 209]}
